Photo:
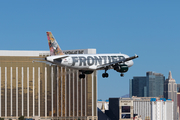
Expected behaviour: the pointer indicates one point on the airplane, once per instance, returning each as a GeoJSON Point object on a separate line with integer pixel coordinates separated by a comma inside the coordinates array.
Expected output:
{"type": "Point", "coordinates": [87, 63]}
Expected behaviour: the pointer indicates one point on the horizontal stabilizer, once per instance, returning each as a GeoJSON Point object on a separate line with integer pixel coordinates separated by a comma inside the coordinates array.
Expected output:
{"type": "Point", "coordinates": [50, 64]}
{"type": "Point", "coordinates": [38, 58]}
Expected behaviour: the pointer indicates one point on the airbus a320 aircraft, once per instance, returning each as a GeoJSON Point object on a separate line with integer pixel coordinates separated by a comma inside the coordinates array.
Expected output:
{"type": "Point", "coordinates": [87, 63]}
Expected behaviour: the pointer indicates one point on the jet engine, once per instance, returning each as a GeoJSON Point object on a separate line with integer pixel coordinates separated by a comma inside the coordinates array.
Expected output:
{"type": "Point", "coordinates": [86, 71]}
{"type": "Point", "coordinates": [121, 68]}
{"type": "Point", "coordinates": [82, 75]}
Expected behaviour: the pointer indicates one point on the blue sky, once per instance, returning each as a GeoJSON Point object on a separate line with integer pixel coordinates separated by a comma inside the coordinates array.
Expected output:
{"type": "Point", "coordinates": [151, 29]}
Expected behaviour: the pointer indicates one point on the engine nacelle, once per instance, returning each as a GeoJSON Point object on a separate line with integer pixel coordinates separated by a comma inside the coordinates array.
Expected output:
{"type": "Point", "coordinates": [86, 72]}
{"type": "Point", "coordinates": [121, 68]}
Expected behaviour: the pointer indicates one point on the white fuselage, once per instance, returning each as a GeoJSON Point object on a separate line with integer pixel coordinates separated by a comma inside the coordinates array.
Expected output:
{"type": "Point", "coordinates": [87, 61]}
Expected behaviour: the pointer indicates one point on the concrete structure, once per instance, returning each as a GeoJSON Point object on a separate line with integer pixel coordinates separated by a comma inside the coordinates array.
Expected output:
{"type": "Point", "coordinates": [161, 109]}
{"type": "Point", "coordinates": [178, 87]}
{"type": "Point", "coordinates": [137, 118]}
{"type": "Point", "coordinates": [39, 91]}
{"type": "Point", "coordinates": [142, 107]}
{"type": "Point", "coordinates": [146, 108]}
{"type": "Point", "coordinates": [120, 108]}
{"type": "Point", "coordinates": [152, 85]}
{"type": "Point", "coordinates": [102, 115]}
{"type": "Point", "coordinates": [170, 92]}
{"type": "Point", "coordinates": [153, 108]}
{"type": "Point", "coordinates": [103, 105]}
{"type": "Point", "coordinates": [178, 104]}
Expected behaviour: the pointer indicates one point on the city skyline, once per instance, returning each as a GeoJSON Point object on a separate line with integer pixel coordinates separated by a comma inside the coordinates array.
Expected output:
{"type": "Point", "coordinates": [149, 29]}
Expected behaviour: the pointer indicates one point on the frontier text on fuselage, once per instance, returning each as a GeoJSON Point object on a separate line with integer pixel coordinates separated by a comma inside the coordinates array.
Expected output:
{"type": "Point", "coordinates": [95, 60]}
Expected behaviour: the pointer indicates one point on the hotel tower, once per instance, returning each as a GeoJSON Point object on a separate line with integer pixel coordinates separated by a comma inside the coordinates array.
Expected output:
{"type": "Point", "coordinates": [39, 91]}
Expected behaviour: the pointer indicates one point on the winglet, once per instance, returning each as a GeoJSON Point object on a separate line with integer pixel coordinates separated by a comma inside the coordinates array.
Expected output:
{"type": "Point", "coordinates": [136, 56]}
{"type": "Point", "coordinates": [53, 45]}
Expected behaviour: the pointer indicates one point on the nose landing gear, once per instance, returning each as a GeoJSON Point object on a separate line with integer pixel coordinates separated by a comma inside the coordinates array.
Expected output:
{"type": "Point", "coordinates": [122, 75]}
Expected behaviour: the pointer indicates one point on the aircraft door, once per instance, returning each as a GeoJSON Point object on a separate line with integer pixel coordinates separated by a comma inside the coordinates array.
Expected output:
{"type": "Point", "coordinates": [70, 61]}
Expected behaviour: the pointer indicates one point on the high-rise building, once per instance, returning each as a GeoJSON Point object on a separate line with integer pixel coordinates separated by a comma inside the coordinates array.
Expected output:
{"type": "Point", "coordinates": [37, 90]}
{"type": "Point", "coordinates": [130, 87]}
{"type": "Point", "coordinates": [170, 92]}
{"type": "Point", "coordinates": [103, 105]}
{"type": "Point", "coordinates": [146, 107]}
{"type": "Point", "coordinates": [120, 109]}
{"type": "Point", "coordinates": [142, 107]}
{"type": "Point", "coordinates": [178, 104]}
{"type": "Point", "coordinates": [155, 84]}
{"type": "Point", "coordinates": [178, 87]}
{"type": "Point", "coordinates": [161, 109]}
{"type": "Point", "coordinates": [138, 88]}
{"type": "Point", "coordinates": [152, 85]}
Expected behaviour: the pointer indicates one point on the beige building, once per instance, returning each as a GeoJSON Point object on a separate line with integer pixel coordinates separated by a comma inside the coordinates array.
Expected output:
{"type": "Point", "coordinates": [170, 92]}
{"type": "Point", "coordinates": [37, 90]}
{"type": "Point", "coordinates": [126, 109]}
{"type": "Point", "coordinates": [120, 109]}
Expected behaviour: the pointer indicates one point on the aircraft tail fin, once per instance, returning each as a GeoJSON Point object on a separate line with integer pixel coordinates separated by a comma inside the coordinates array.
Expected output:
{"type": "Point", "coordinates": [53, 45]}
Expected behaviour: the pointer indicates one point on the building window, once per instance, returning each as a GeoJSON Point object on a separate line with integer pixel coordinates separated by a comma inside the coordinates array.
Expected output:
{"type": "Point", "coordinates": [125, 109]}
{"type": "Point", "coordinates": [125, 115]}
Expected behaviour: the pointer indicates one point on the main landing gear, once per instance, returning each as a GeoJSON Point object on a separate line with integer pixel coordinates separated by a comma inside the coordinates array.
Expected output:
{"type": "Point", "coordinates": [105, 74]}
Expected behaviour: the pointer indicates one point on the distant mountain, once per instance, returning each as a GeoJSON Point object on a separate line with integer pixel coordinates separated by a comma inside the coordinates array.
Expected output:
{"type": "Point", "coordinates": [125, 96]}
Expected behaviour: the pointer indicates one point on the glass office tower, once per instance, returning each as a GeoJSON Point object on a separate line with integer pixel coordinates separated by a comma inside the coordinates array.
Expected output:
{"type": "Point", "coordinates": [138, 87]}
{"type": "Point", "coordinates": [155, 84]}
{"type": "Point", "coordinates": [151, 85]}
{"type": "Point", "coordinates": [37, 90]}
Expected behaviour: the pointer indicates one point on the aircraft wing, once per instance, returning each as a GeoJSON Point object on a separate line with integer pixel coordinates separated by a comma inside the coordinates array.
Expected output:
{"type": "Point", "coordinates": [120, 61]}
{"type": "Point", "coordinates": [131, 58]}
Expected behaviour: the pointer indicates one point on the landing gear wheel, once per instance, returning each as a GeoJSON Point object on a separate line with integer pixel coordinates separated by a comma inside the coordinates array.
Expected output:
{"type": "Point", "coordinates": [82, 76]}
{"type": "Point", "coordinates": [122, 75]}
{"type": "Point", "coordinates": [105, 75]}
